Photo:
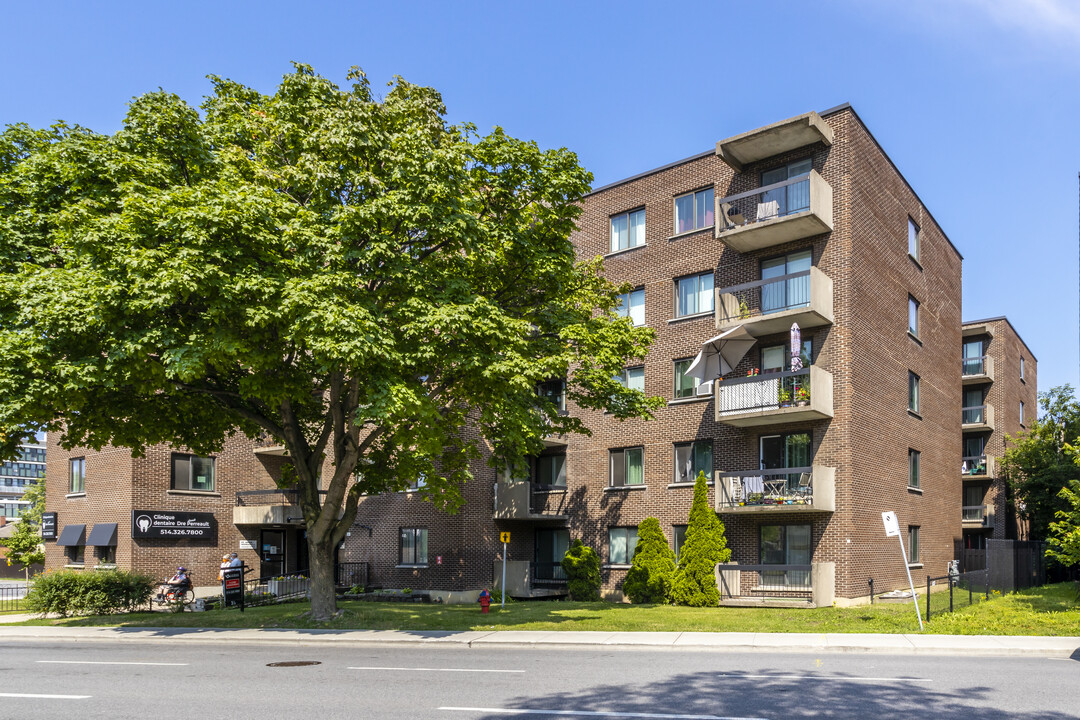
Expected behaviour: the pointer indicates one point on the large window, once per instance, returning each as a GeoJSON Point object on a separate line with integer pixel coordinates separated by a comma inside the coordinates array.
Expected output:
{"type": "Point", "coordinates": [785, 545]}
{"type": "Point", "coordinates": [694, 211]}
{"type": "Point", "coordinates": [974, 408]}
{"type": "Point", "coordinates": [622, 541]}
{"type": "Point", "coordinates": [77, 479]}
{"type": "Point", "coordinates": [913, 316]}
{"type": "Point", "coordinates": [628, 230]}
{"type": "Point", "coordinates": [555, 391]}
{"type": "Point", "coordinates": [789, 198]}
{"type": "Point", "coordinates": [633, 378]}
{"type": "Point", "coordinates": [974, 363]}
{"type": "Point", "coordinates": [190, 472]}
{"type": "Point", "coordinates": [913, 545]}
{"type": "Point", "coordinates": [632, 305]}
{"type": "Point", "coordinates": [692, 458]}
{"type": "Point", "coordinates": [914, 239]}
{"type": "Point", "coordinates": [627, 467]}
{"type": "Point", "coordinates": [685, 385]}
{"type": "Point", "coordinates": [785, 294]}
{"type": "Point", "coordinates": [551, 470]}
{"type": "Point", "coordinates": [413, 546]}
{"type": "Point", "coordinates": [913, 457]}
{"type": "Point", "coordinates": [913, 392]}
{"type": "Point", "coordinates": [694, 294]}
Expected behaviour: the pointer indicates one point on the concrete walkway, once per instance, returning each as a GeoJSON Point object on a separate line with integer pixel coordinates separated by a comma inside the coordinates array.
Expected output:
{"type": "Point", "coordinates": [972, 645]}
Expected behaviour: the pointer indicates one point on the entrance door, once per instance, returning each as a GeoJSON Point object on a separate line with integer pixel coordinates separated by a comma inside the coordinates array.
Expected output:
{"type": "Point", "coordinates": [271, 553]}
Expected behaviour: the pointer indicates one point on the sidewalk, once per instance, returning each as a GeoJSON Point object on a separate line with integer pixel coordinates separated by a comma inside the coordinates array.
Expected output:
{"type": "Point", "coordinates": [971, 645]}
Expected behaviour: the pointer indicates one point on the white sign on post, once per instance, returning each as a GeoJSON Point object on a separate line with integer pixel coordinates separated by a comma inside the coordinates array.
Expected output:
{"type": "Point", "coordinates": [892, 529]}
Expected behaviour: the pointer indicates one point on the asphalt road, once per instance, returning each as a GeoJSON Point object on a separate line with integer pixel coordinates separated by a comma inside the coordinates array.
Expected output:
{"type": "Point", "coordinates": [138, 679]}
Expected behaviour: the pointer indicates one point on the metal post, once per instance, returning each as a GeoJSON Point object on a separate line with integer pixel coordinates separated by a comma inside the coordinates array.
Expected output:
{"type": "Point", "coordinates": [871, 582]}
{"type": "Point", "coordinates": [503, 606]}
{"type": "Point", "coordinates": [911, 584]}
{"type": "Point", "coordinates": [950, 595]}
{"type": "Point", "coordinates": [927, 598]}
{"type": "Point", "coordinates": [986, 579]}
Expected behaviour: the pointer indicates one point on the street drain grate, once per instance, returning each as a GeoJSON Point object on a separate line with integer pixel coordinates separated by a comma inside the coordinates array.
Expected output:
{"type": "Point", "coordinates": [294, 663]}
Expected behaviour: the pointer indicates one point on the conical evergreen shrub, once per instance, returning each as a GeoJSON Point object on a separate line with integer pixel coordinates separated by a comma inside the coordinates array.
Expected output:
{"type": "Point", "coordinates": [649, 578]}
{"type": "Point", "coordinates": [705, 546]}
{"type": "Point", "coordinates": [582, 567]}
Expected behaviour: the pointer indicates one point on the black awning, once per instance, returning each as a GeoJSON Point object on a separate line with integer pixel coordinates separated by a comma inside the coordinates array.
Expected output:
{"type": "Point", "coordinates": [72, 535]}
{"type": "Point", "coordinates": [103, 535]}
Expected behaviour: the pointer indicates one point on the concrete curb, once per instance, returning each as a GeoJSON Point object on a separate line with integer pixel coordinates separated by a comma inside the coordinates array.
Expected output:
{"type": "Point", "coordinates": [968, 645]}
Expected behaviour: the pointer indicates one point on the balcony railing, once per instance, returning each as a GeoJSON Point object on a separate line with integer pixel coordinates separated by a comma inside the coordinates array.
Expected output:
{"type": "Point", "coordinates": [974, 366]}
{"type": "Point", "coordinates": [269, 507]}
{"type": "Point", "coordinates": [977, 369]}
{"type": "Point", "coordinates": [979, 416]}
{"type": "Point", "coordinates": [974, 465]}
{"type": "Point", "coordinates": [978, 515]}
{"type": "Point", "coordinates": [522, 500]}
{"type": "Point", "coordinates": [769, 306]}
{"type": "Point", "coordinates": [547, 573]}
{"type": "Point", "coordinates": [775, 397]}
{"type": "Point", "coordinates": [796, 489]}
{"type": "Point", "coordinates": [781, 212]}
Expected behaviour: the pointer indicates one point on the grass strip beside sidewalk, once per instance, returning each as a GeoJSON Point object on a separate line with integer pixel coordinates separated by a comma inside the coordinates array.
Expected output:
{"type": "Point", "coordinates": [1050, 610]}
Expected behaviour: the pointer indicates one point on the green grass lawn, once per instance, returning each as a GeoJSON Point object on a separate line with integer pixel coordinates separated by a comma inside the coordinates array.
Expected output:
{"type": "Point", "coordinates": [1050, 610]}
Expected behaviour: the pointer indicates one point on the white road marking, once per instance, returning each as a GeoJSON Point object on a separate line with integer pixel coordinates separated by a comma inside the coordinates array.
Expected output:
{"type": "Point", "coordinates": [823, 677]}
{"type": "Point", "coordinates": [44, 697]}
{"type": "Point", "coordinates": [422, 669]}
{"type": "Point", "coordinates": [103, 662]}
{"type": "Point", "coordinates": [596, 713]}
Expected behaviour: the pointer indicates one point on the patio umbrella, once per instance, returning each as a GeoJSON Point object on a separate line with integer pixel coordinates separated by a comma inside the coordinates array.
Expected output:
{"type": "Point", "coordinates": [719, 355]}
{"type": "Point", "coordinates": [796, 348]}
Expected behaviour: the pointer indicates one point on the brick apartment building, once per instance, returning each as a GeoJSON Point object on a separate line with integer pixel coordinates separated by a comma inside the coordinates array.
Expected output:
{"type": "Point", "coordinates": [1000, 401]}
{"type": "Point", "coordinates": [802, 223]}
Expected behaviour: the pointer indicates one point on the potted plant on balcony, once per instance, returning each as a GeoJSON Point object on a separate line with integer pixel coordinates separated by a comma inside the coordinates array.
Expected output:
{"type": "Point", "coordinates": [784, 397]}
{"type": "Point", "coordinates": [744, 310]}
{"type": "Point", "coordinates": [802, 396]}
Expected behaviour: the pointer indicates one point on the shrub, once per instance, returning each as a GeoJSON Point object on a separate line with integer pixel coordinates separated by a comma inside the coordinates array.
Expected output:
{"type": "Point", "coordinates": [582, 568]}
{"type": "Point", "coordinates": [100, 592]}
{"type": "Point", "coordinates": [705, 546]}
{"type": "Point", "coordinates": [649, 578]}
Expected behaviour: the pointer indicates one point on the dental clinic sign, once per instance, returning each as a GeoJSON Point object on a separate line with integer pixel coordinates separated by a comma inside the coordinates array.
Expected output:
{"type": "Point", "coordinates": [160, 525]}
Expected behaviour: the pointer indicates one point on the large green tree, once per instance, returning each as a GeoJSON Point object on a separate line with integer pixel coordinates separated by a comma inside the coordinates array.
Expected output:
{"type": "Point", "coordinates": [348, 275]}
{"type": "Point", "coordinates": [1038, 463]}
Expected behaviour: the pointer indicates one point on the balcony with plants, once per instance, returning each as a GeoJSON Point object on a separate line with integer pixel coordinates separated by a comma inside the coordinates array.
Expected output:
{"type": "Point", "coordinates": [778, 397]}
{"type": "Point", "coordinates": [794, 489]}
{"type": "Point", "coordinates": [771, 305]}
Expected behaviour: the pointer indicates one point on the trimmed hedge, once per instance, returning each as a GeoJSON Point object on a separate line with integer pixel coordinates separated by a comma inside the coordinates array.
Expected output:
{"type": "Point", "coordinates": [582, 567]}
{"type": "Point", "coordinates": [649, 579]}
{"type": "Point", "coordinates": [96, 592]}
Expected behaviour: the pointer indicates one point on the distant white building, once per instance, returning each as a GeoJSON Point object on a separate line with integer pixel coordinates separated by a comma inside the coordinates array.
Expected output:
{"type": "Point", "coordinates": [18, 474]}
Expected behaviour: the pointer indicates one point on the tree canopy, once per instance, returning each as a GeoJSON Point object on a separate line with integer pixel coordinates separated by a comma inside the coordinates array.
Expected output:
{"type": "Point", "coordinates": [348, 275]}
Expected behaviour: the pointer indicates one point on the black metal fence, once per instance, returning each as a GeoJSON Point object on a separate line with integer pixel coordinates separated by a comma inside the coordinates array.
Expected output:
{"type": "Point", "coordinates": [547, 573]}
{"type": "Point", "coordinates": [960, 590]}
{"type": "Point", "coordinates": [351, 574]}
{"type": "Point", "coordinates": [269, 590]}
{"type": "Point", "coordinates": [12, 598]}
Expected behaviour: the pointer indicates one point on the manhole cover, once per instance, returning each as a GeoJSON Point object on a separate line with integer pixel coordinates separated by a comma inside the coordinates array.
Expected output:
{"type": "Point", "coordinates": [294, 663]}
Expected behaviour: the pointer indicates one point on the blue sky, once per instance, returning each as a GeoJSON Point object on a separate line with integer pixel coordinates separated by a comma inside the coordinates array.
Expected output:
{"type": "Point", "coordinates": [976, 101]}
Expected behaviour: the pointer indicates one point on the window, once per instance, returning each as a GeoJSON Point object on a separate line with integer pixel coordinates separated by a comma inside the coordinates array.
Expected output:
{"type": "Point", "coordinates": [687, 385]}
{"type": "Point", "coordinates": [77, 482]}
{"type": "Point", "coordinates": [628, 230]}
{"type": "Point", "coordinates": [633, 378]}
{"type": "Point", "coordinates": [914, 240]}
{"type": "Point", "coordinates": [913, 544]}
{"type": "Point", "coordinates": [106, 554]}
{"type": "Point", "coordinates": [785, 545]}
{"type": "Point", "coordinates": [632, 305]}
{"type": "Point", "coordinates": [694, 211]}
{"type": "Point", "coordinates": [785, 294]}
{"type": "Point", "coordinates": [1021, 412]}
{"type": "Point", "coordinates": [190, 472]}
{"type": "Point", "coordinates": [973, 406]}
{"type": "Point", "coordinates": [622, 541]}
{"type": "Point", "coordinates": [974, 362]}
{"type": "Point", "coordinates": [1021, 367]}
{"type": "Point", "coordinates": [913, 468]}
{"type": "Point", "coordinates": [551, 470]}
{"type": "Point", "coordinates": [418, 482]}
{"type": "Point", "coordinates": [627, 467]}
{"type": "Point", "coordinates": [791, 198]}
{"type": "Point", "coordinates": [679, 533]}
{"type": "Point", "coordinates": [75, 554]}
{"type": "Point", "coordinates": [413, 547]}
{"type": "Point", "coordinates": [555, 391]}
{"type": "Point", "coordinates": [694, 294]}
{"type": "Point", "coordinates": [913, 316]}
{"type": "Point", "coordinates": [692, 458]}
{"type": "Point", "coordinates": [913, 392]}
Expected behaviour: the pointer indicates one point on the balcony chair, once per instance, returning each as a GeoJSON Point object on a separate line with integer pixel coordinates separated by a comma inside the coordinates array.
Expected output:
{"type": "Point", "coordinates": [730, 216]}
{"type": "Point", "coordinates": [804, 487]}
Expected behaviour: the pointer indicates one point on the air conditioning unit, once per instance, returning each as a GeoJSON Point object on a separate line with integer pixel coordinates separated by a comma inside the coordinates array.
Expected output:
{"type": "Point", "coordinates": [704, 388]}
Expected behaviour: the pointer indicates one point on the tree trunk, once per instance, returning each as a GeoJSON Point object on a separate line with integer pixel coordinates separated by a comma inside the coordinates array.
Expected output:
{"type": "Point", "coordinates": [323, 598]}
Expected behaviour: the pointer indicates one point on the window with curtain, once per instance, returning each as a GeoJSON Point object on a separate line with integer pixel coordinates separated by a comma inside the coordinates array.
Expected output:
{"type": "Point", "coordinates": [785, 294]}
{"type": "Point", "coordinates": [627, 467]}
{"type": "Point", "coordinates": [692, 458]}
{"type": "Point", "coordinates": [551, 470]}
{"type": "Point", "coordinates": [555, 391]}
{"type": "Point", "coordinates": [914, 241]}
{"type": "Point", "coordinates": [913, 544]}
{"type": "Point", "coordinates": [632, 305]}
{"type": "Point", "coordinates": [973, 406]}
{"type": "Point", "coordinates": [413, 546]}
{"type": "Point", "coordinates": [694, 211]}
{"type": "Point", "coordinates": [913, 457]}
{"type": "Point", "coordinates": [913, 316]}
{"type": "Point", "coordinates": [77, 480]}
{"type": "Point", "coordinates": [633, 378]}
{"type": "Point", "coordinates": [789, 198]}
{"type": "Point", "coordinates": [549, 548]}
{"type": "Point", "coordinates": [973, 357]}
{"type": "Point", "coordinates": [694, 294]}
{"type": "Point", "coordinates": [621, 544]}
{"type": "Point", "coordinates": [913, 392]}
{"type": "Point", "coordinates": [627, 230]}
{"type": "Point", "coordinates": [685, 385]}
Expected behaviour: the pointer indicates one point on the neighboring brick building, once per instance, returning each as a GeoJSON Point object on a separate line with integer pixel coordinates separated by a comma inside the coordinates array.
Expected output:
{"type": "Point", "coordinates": [804, 452]}
{"type": "Point", "coordinates": [1000, 401]}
